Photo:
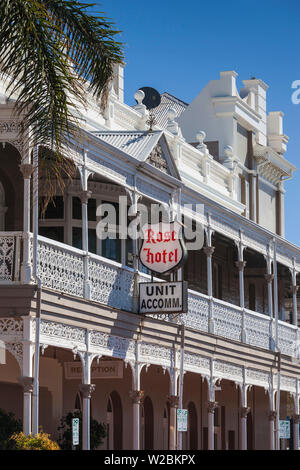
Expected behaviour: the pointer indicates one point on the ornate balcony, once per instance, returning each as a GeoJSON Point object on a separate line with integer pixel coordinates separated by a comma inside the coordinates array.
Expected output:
{"type": "Point", "coordinates": [62, 268]}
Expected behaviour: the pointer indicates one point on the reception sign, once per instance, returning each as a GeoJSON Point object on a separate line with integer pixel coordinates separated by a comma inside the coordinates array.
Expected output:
{"type": "Point", "coordinates": [103, 370]}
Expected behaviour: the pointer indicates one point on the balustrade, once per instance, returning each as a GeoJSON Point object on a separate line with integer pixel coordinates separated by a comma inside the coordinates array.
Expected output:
{"type": "Point", "coordinates": [61, 267]}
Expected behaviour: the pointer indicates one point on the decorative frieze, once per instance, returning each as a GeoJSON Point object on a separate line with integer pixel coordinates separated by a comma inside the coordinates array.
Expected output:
{"type": "Point", "coordinates": [11, 327]}
{"type": "Point", "coordinates": [10, 127]}
{"type": "Point", "coordinates": [65, 335]}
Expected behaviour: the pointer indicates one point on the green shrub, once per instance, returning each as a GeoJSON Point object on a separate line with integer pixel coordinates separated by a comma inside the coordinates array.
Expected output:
{"type": "Point", "coordinates": [97, 431]}
{"type": "Point", "coordinates": [9, 425]}
{"type": "Point", "coordinates": [40, 441]}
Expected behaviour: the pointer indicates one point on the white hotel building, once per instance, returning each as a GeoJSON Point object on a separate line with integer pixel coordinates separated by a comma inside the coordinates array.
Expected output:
{"type": "Point", "coordinates": [224, 151]}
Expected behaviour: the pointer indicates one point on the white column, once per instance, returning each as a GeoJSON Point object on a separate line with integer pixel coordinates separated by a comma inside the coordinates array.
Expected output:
{"type": "Point", "coordinates": [209, 250]}
{"type": "Point", "coordinates": [26, 169]}
{"type": "Point", "coordinates": [296, 418]}
{"type": "Point", "coordinates": [272, 416]}
{"type": "Point", "coordinates": [294, 291]}
{"type": "Point", "coordinates": [26, 380]}
{"type": "Point", "coordinates": [269, 278]}
{"type": "Point", "coordinates": [85, 195]}
{"type": "Point", "coordinates": [173, 400]}
{"type": "Point", "coordinates": [137, 397]}
{"type": "Point", "coordinates": [211, 406]}
{"type": "Point", "coordinates": [244, 412]}
{"type": "Point", "coordinates": [86, 388]}
{"type": "Point", "coordinates": [241, 264]}
{"type": "Point", "coordinates": [272, 419]}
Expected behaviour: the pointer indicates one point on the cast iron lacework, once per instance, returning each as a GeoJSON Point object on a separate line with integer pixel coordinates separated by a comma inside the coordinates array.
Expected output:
{"type": "Point", "coordinates": [61, 332]}
{"type": "Point", "coordinates": [7, 247]}
{"type": "Point", "coordinates": [111, 285]}
{"type": "Point", "coordinates": [60, 270]}
{"type": "Point", "coordinates": [228, 321]}
{"type": "Point", "coordinates": [11, 327]}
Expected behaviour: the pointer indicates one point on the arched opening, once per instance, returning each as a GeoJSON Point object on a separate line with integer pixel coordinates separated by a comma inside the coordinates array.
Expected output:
{"type": "Point", "coordinates": [12, 182]}
{"type": "Point", "coordinates": [114, 422]}
{"type": "Point", "coordinates": [78, 402]}
{"type": "Point", "coordinates": [166, 427]}
{"type": "Point", "coordinates": [192, 426]}
{"type": "Point", "coordinates": [148, 424]}
{"type": "Point", "coordinates": [2, 208]}
{"type": "Point", "coordinates": [109, 425]}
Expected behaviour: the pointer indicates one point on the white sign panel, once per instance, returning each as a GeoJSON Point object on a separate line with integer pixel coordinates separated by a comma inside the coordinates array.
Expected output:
{"type": "Point", "coordinates": [75, 431]}
{"type": "Point", "coordinates": [103, 370]}
{"type": "Point", "coordinates": [162, 249]}
{"type": "Point", "coordinates": [182, 416]}
{"type": "Point", "coordinates": [163, 297]}
{"type": "Point", "coordinates": [284, 429]}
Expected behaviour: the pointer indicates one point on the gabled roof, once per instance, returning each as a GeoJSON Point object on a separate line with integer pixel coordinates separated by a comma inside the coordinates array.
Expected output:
{"type": "Point", "coordinates": [144, 146]}
{"type": "Point", "coordinates": [138, 144]}
{"type": "Point", "coordinates": [161, 112]}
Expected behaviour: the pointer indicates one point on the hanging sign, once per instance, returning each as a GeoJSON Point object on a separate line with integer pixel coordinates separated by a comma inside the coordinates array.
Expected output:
{"type": "Point", "coordinates": [163, 249]}
{"type": "Point", "coordinates": [163, 297]}
{"type": "Point", "coordinates": [182, 417]}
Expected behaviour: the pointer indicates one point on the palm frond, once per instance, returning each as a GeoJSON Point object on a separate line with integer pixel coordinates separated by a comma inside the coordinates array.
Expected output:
{"type": "Point", "coordinates": [50, 52]}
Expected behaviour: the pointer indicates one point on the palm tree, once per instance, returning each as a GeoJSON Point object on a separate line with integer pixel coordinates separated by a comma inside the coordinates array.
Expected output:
{"type": "Point", "coordinates": [52, 52]}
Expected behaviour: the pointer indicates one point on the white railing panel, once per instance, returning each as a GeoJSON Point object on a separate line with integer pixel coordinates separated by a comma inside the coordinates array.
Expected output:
{"type": "Point", "coordinates": [60, 267]}
{"type": "Point", "coordinates": [10, 256]}
{"type": "Point", "coordinates": [287, 339]}
{"type": "Point", "coordinates": [111, 284]}
{"type": "Point", "coordinates": [198, 312]}
{"type": "Point", "coordinates": [227, 320]}
{"type": "Point", "coordinates": [257, 328]}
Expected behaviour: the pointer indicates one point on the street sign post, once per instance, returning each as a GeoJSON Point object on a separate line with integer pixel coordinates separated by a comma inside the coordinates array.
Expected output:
{"type": "Point", "coordinates": [182, 416]}
{"type": "Point", "coordinates": [75, 432]}
{"type": "Point", "coordinates": [284, 429]}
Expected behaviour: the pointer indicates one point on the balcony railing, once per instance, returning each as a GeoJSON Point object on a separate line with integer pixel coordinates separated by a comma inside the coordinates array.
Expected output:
{"type": "Point", "coordinates": [62, 268]}
{"type": "Point", "coordinates": [10, 256]}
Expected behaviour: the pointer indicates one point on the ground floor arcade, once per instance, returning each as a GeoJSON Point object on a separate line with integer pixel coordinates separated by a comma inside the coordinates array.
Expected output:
{"type": "Point", "coordinates": [145, 411]}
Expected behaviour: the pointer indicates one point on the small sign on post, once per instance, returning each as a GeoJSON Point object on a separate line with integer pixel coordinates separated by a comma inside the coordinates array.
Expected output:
{"type": "Point", "coordinates": [284, 429]}
{"type": "Point", "coordinates": [75, 432]}
{"type": "Point", "coordinates": [182, 416]}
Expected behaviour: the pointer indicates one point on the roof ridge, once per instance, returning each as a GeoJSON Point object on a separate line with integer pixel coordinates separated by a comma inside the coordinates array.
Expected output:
{"type": "Point", "coordinates": [166, 93]}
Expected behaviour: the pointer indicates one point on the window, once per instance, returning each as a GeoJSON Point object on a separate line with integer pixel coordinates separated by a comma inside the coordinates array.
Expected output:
{"type": "Point", "coordinates": [55, 208]}
{"type": "Point", "coordinates": [77, 239]}
{"type": "Point", "coordinates": [77, 209]}
{"type": "Point", "coordinates": [217, 281]}
{"type": "Point", "coordinates": [54, 233]}
{"type": "Point", "coordinates": [252, 299]}
{"type": "Point", "coordinates": [111, 249]}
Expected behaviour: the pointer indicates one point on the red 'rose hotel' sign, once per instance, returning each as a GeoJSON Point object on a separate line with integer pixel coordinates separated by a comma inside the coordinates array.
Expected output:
{"type": "Point", "coordinates": [162, 249]}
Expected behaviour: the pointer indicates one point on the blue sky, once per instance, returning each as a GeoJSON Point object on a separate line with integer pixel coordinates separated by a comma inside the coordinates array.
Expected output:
{"type": "Point", "coordinates": [178, 46]}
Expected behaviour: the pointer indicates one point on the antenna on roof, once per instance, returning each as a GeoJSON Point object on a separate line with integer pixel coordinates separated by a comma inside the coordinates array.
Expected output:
{"type": "Point", "coordinates": [151, 100]}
